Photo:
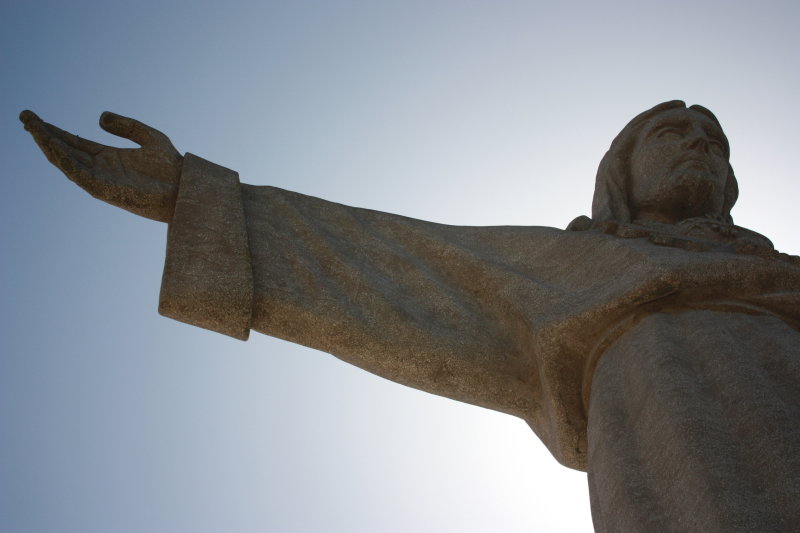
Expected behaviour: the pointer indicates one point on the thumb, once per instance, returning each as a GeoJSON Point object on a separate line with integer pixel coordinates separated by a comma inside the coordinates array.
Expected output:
{"type": "Point", "coordinates": [132, 129]}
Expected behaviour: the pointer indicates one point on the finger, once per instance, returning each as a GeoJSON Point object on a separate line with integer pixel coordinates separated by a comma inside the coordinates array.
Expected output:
{"type": "Point", "coordinates": [69, 159]}
{"type": "Point", "coordinates": [40, 134]}
{"type": "Point", "coordinates": [56, 150]}
{"type": "Point", "coordinates": [85, 145]}
{"type": "Point", "coordinates": [33, 122]}
{"type": "Point", "coordinates": [61, 155]}
{"type": "Point", "coordinates": [27, 116]}
{"type": "Point", "coordinates": [134, 130]}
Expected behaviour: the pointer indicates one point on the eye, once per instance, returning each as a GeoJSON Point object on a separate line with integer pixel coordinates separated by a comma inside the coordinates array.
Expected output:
{"type": "Point", "coordinates": [716, 147]}
{"type": "Point", "coordinates": [669, 134]}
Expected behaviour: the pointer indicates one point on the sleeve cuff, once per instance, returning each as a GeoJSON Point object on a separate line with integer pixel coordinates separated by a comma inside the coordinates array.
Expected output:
{"type": "Point", "coordinates": [208, 278]}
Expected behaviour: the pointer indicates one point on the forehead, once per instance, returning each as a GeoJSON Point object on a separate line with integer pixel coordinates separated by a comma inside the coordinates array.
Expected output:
{"type": "Point", "coordinates": [683, 117]}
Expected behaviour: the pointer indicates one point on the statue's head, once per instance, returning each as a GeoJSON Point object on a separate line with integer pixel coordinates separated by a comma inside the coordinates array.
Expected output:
{"type": "Point", "coordinates": [668, 164]}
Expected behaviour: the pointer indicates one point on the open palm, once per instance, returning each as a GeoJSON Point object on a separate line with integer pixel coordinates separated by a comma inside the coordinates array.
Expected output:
{"type": "Point", "coordinates": [142, 180]}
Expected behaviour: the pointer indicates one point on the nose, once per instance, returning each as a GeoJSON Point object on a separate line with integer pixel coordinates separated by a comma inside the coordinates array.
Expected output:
{"type": "Point", "coordinates": [697, 140]}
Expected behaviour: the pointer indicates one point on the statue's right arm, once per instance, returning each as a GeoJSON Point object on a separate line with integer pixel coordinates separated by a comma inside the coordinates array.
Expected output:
{"type": "Point", "coordinates": [444, 309]}
{"type": "Point", "coordinates": [451, 310]}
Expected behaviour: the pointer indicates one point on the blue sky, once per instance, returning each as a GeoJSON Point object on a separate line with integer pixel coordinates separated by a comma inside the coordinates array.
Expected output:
{"type": "Point", "coordinates": [113, 418]}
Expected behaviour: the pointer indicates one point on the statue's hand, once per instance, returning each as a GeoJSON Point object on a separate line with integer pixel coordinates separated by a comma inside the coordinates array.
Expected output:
{"type": "Point", "coordinates": [142, 180]}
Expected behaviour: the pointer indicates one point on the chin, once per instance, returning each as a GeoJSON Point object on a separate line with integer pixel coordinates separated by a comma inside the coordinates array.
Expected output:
{"type": "Point", "coordinates": [700, 194]}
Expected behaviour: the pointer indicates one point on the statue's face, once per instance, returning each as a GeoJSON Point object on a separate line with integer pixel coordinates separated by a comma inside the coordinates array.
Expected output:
{"type": "Point", "coordinates": [679, 167]}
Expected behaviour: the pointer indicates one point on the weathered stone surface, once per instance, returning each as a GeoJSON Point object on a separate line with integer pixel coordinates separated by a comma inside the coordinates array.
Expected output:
{"type": "Point", "coordinates": [208, 278]}
{"type": "Point", "coordinates": [143, 181]}
{"type": "Point", "coordinates": [655, 344]}
{"type": "Point", "coordinates": [693, 424]}
{"type": "Point", "coordinates": [489, 316]}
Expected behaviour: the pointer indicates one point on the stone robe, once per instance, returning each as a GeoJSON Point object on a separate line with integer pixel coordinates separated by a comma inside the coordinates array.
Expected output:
{"type": "Point", "coordinates": [680, 363]}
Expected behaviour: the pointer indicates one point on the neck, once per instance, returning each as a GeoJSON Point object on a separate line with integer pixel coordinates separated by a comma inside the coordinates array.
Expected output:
{"type": "Point", "coordinates": [674, 216]}
{"type": "Point", "coordinates": [657, 216]}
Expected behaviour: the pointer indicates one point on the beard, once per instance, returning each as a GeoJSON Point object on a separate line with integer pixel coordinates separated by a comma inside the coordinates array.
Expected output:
{"type": "Point", "coordinates": [696, 192]}
{"type": "Point", "coordinates": [690, 191]}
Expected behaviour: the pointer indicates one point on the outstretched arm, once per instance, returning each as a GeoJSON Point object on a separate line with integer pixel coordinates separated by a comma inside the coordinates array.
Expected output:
{"type": "Point", "coordinates": [440, 308]}
{"type": "Point", "coordinates": [449, 310]}
{"type": "Point", "coordinates": [142, 180]}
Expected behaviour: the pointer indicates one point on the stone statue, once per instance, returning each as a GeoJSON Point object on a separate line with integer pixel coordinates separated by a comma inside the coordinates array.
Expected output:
{"type": "Point", "coordinates": [655, 345]}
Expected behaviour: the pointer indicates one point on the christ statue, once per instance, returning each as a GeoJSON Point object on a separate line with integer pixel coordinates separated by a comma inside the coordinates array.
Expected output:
{"type": "Point", "coordinates": [655, 344]}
